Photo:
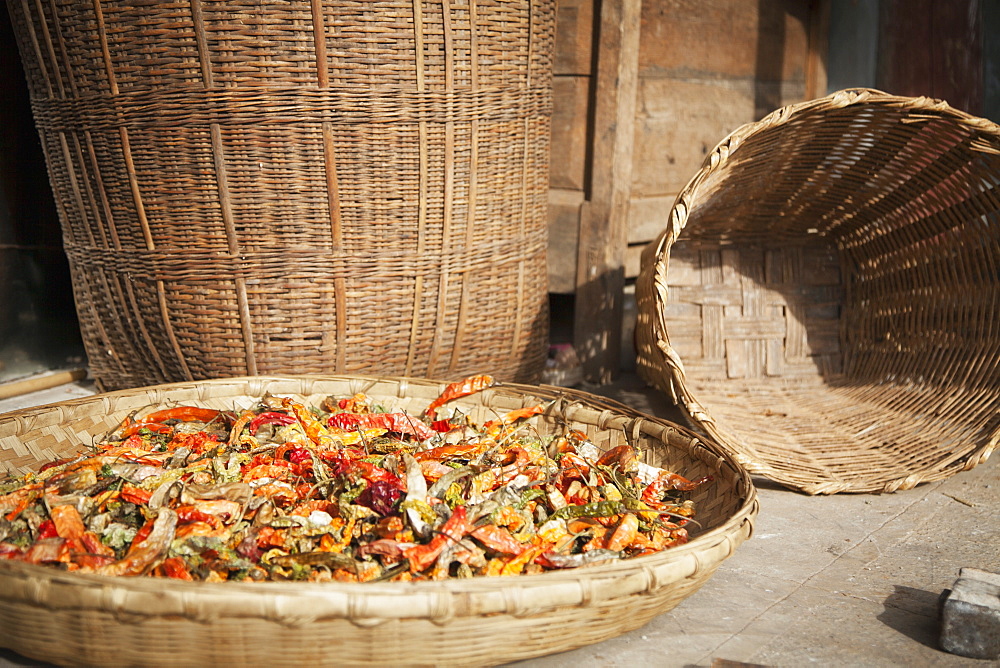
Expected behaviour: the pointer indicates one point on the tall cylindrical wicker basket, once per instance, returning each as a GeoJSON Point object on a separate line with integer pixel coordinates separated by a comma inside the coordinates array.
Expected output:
{"type": "Point", "coordinates": [325, 186]}
{"type": "Point", "coordinates": [825, 299]}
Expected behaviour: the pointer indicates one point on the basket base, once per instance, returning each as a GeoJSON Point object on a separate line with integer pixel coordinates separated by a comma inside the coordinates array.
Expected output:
{"type": "Point", "coordinates": [824, 436]}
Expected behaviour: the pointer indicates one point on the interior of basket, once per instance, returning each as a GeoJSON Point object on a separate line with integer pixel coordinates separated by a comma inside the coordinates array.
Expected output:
{"type": "Point", "coordinates": [836, 294]}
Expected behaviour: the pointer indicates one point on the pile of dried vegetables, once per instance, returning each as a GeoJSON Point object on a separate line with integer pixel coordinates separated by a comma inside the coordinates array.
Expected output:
{"type": "Point", "coordinates": [344, 491]}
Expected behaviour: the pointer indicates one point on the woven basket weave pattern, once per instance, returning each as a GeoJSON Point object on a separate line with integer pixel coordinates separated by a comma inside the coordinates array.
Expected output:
{"type": "Point", "coordinates": [152, 621]}
{"type": "Point", "coordinates": [826, 295]}
{"type": "Point", "coordinates": [299, 187]}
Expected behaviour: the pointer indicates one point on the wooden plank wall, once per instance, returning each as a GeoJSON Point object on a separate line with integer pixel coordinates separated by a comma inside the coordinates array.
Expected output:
{"type": "Point", "coordinates": [703, 68]}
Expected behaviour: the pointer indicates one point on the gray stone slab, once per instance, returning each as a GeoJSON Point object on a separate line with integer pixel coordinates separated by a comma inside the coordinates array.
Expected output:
{"type": "Point", "coordinates": [970, 615]}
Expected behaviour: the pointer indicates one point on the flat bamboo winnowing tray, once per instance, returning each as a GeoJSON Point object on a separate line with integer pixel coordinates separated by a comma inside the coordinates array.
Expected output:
{"type": "Point", "coordinates": [68, 618]}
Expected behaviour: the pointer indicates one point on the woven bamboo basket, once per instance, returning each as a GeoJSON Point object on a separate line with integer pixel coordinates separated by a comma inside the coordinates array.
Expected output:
{"type": "Point", "coordinates": [68, 618]}
{"type": "Point", "coordinates": [825, 299]}
{"type": "Point", "coordinates": [329, 186]}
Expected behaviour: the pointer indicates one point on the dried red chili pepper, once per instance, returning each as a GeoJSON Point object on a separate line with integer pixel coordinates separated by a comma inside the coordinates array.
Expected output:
{"type": "Point", "coordinates": [653, 492]}
{"type": "Point", "coordinates": [191, 514]}
{"type": "Point", "coordinates": [450, 452]}
{"type": "Point", "coordinates": [621, 458]}
{"type": "Point", "coordinates": [452, 531]}
{"type": "Point", "coordinates": [47, 529]}
{"type": "Point", "coordinates": [400, 423]}
{"type": "Point", "coordinates": [442, 426]}
{"type": "Point", "coordinates": [462, 388]}
{"type": "Point", "coordinates": [47, 465]}
{"type": "Point", "coordinates": [154, 421]}
{"type": "Point", "coordinates": [183, 414]}
{"type": "Point", "coordinates": [381, 496]}
{"type": "Point", "coordinates": [136, 427]}
{"type": "Point", "coordinates": [498, 539]}
{"type": "Point", "coordinates": [515, 415]}
{"type": "Point", "coordinates": [68, 523]}
{"type": "Point", "coordinates": [373, 473]}
{"type": "Point", "coordinates": [175, 567]}
{"type": "Point", "coordinates": [10, 551]}
{"type": "Point", "coordinates": [269, 417]}
{"type": "Point", "coordinates": [143, 532]}
{"type": "Point", "coordinates": [135, 495]}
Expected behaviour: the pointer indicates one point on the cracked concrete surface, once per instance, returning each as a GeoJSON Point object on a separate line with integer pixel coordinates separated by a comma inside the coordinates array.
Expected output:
{"type": "Point", "coordinates": [844, 580]}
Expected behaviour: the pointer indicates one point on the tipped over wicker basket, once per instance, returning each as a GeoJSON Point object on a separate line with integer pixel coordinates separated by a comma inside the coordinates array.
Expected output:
{"type": "Point", "coordinates": [69, 618]}
{"type": "Point", "coordinates": [298, 187]}
{"type": "Point", "coordinates": [825, 300]}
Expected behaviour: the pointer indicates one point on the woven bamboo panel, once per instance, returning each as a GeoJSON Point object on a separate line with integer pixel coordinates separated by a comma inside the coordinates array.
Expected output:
{"type": "Point", "coordinates": [825, 298]}
{"type": "Point", "coordinates": [78, 619]}
{"type": "Point", "coordinates": [326, 186]}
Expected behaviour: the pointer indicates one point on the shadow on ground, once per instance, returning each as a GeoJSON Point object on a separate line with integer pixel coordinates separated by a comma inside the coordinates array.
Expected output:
{"type": "Point", "coordinates": [913, 612]}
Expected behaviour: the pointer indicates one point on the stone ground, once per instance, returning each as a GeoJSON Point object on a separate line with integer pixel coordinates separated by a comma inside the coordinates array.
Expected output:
{"type": "Point", "coordinates": [843, 580]}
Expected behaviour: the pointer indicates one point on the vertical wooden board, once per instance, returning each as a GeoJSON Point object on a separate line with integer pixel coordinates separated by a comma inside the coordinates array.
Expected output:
{"type": "Point", "coordinates": [570, 98]}
{"type": "Point", "coordinates": [783, 35]}
{"type": "Point", "coordinates": [564, 234]}
{"type": "Point", "coordinates": [781, 56]}
{"type": "Point", "coordinates": [709, 66]}
{"type": "Point", "coordinates": [991, 62]}
{"type": "Point", "coordinates": [574, 37]}
{"type": "Point", "coordinates": [818, 48]}
{"type": "Point", "coordinates": [604, 227]}
{"type": "Point", "coordinates": [933, 48]}
{"type": "Point", "coordinates": [853, 38]}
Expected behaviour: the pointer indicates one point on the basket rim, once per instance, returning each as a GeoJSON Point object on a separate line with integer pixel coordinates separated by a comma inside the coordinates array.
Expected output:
{"type": "Point", "coordinates": [377, 602]}
{"type": "Point", "coordinates": [655, 263]}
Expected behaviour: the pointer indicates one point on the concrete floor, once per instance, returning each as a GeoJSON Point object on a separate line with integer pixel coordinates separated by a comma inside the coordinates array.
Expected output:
{"type": "Point", "coordinates": [844, 580]}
